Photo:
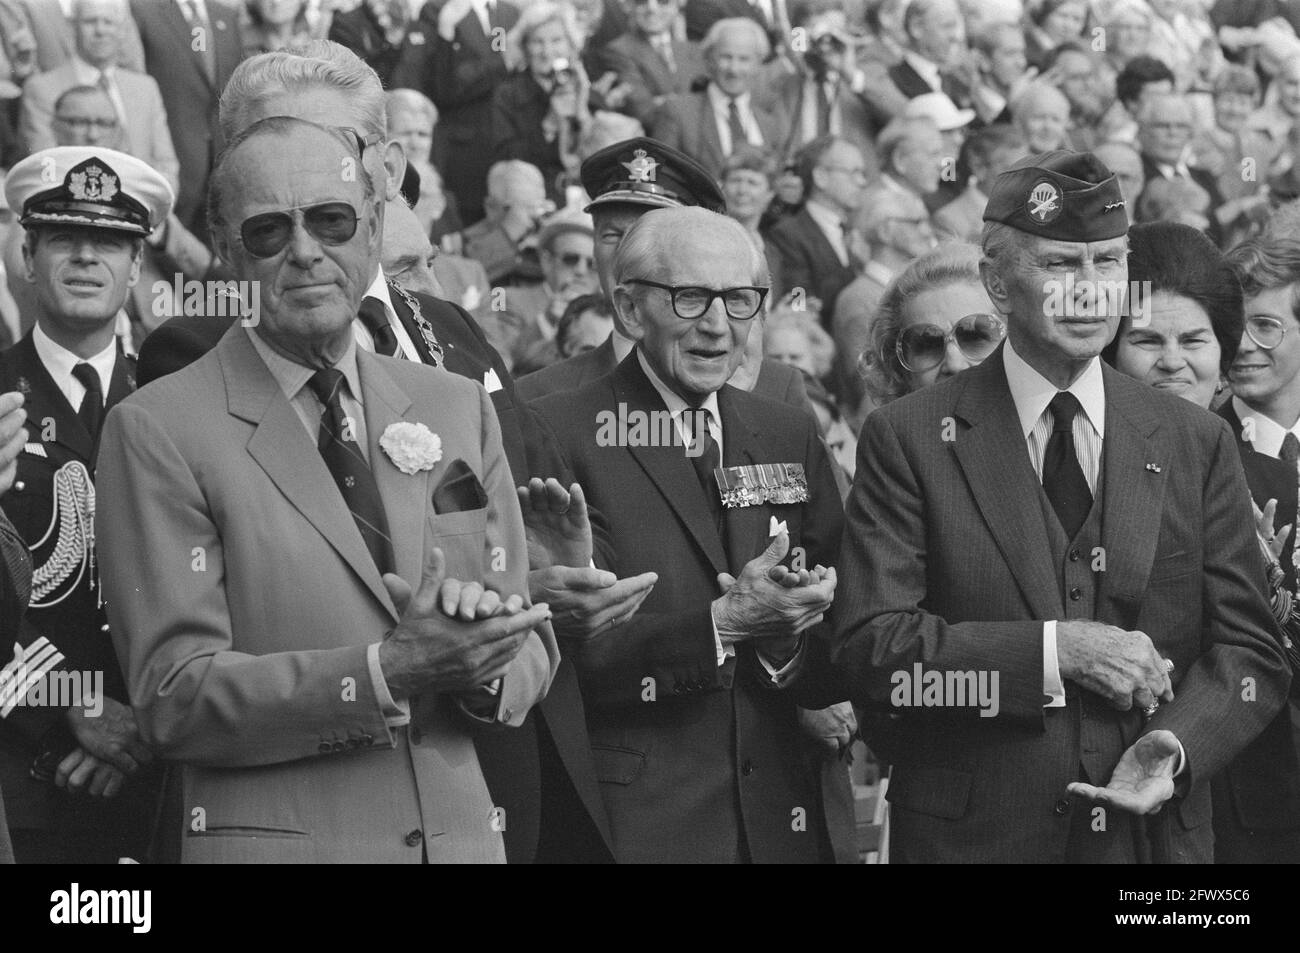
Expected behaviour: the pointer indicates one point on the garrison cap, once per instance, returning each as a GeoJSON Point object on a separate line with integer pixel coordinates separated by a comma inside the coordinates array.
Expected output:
{"type": "Point", "coordinates": [1062, 195]}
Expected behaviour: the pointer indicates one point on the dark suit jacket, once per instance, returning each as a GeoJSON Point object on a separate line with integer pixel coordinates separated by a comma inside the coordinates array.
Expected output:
{"type": "Point", "coordinates": [860, 120]}
{"type": "Point", "coordinates": [460, 78]}
{"type": "Point", "coordinates": [639, 65]}
{"type": "Point", "coordinates": [686, 122]}
{"type": "Point", "coordinates": [360, 32]}
{"type": "Point", "coordinates": [802, 257]}
{"type": "Point", "coordinates": [72, 620]}
{"type": "Point", "coordinates": [911, 85]}
{"type": "Point", "coordinates": [715, 761]}
{"type": "Point", "coordinates": [776, 381]}
{"type": "Point", "coordinates": [518, 106]}
{"type": "Point", "coordinates": [189, 97]}
{"type": "Point", "coordinates": [948, 549]}
{"type": "Point", "coordinates": [1202, 178]}
{"type": "Point", "coordinates": [516, 773]}
{"type": "Point", "coordinates": [1257, 798]}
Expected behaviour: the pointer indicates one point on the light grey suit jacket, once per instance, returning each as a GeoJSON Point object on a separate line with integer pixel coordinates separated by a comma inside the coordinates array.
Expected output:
{"type": "Point", "coordinates": [147, 135]}
{"type": "Point", "coordinates": [243, 599]}
{"type": "Point", "coordinates": [55, 43]}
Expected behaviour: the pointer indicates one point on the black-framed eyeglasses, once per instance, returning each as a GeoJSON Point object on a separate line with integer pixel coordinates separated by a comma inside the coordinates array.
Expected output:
{"type": "Point", "coordinates": [691, 302]}
{"type": "Point", "coordinates": [922, 347]}
{"type": "Point", "coordinates": [330, 223]}
{"type": "Point", "coordinates": [79, 122]}
{"type": "Point", "coordinates": [1265, 332]}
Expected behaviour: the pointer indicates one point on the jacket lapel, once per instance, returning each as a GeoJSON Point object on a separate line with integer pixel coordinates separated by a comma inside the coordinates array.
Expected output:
{"type": "Point", "coordinates": [45, 405]}
{"type": "Point", "coordinates": [1135, 462]}
{"type": "Point", "coordinates": [284, 450]}
{"type": "Point", "coordinates": [993, 456]}
{"type": "Point", "coordinates": [404, 495]}
{"type": "Point", "coordinates": [668, 467]}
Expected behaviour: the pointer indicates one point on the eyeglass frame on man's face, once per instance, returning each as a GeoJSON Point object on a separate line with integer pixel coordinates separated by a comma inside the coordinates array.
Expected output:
{"type": "Point", "coordinates": [1269, 321]}
{"type": "Point", "coordinates": [83, 122]}
{"type": "Point", "coordinates": [675, 290]}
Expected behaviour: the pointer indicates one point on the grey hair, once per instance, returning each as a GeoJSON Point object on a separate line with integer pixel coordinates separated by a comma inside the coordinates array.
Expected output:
{"type": "Point", "coordinates": [642, 248]}
{"type": "Point", "coordinates": [303, 69]}
{"type": "Point", "coordinates": [280, 126]}
{"type": "Point", "coordinates": [411, 101]}
{"type": "Point", "coordinates": [744, 25]}
{"type": "Point", "coordinates": [535, 16]}
{"type": "Point", "coordinates": [950, 264]}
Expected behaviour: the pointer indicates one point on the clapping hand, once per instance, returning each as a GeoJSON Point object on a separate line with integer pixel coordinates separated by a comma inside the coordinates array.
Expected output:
{"type": "Point", "coordinates": [1144, 778]}
{"type": "Point", "coordinates": [769, 601]}
{"type": "Point", "coordinates": [585, 601]}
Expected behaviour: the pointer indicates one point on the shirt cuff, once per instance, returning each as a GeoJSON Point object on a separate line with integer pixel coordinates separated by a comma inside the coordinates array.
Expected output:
{"type": "Point", "coordinates": [395, 713]}
{"type": "Point", "coordinates": [1053, 687]}
{"type": "Point", "coordinates": [724, 651]}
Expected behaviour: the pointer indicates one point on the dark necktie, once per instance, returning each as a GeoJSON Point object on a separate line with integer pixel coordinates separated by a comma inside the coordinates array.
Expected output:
{"type": "Point", "coordinates": [375, 319]}
{"type": "Point", "coordinates": [738, 137]}
{"type": "Point", "coordinates": [823, 110]}
{"type": "Point", "coordinates": [91, 412]}
{"type": "Point", "coordinates": [1290, 449]}
{"type": "Point", "coordinates": [338, 445]}
{"type": "Point", "coordinates": [706, 461]}
{"type": "Point", "coordinates": [1063, 479]}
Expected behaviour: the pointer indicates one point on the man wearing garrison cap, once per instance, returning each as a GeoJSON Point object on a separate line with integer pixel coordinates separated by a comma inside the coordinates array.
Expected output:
{"type": "Point", "coordinates": [1056, 590]}
{"type": "Point", "coordinates": [72, 763]}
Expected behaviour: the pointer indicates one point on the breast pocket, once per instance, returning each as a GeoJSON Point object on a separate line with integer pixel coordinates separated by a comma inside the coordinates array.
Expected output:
{"type": "Point", "coordinates": [462, 537]}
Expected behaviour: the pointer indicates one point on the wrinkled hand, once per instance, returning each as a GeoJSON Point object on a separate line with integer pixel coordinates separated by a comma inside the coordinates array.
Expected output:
{"type": "Point", "coordinates": [433, 649]}
{"type": "Point", "coordinates": [1276, 542]}
{"type": "Point", "coordinates": [111, 737]}
{"type": "Point", "coordinates": [1144, 778]}
{"type": "Point", "coordinates": [587, 602]}
{"type": "Point", "coordinates": [13, 435]}
{"type": "Point", "coordinates": [769, 601]}
{"type": "Point", "coordinates": [82, 773]}
{"type": "Point", "coordinates": [1122, 667]}
{"type": "Point", "coordinates": [556, 524]}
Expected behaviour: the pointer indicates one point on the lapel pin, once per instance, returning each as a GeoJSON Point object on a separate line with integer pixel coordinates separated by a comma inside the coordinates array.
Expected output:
{"type": "Point", "coordinates": [1153, 467]}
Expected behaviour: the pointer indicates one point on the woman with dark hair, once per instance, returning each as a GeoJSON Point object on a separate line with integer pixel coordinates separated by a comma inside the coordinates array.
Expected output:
{"type": "Point", "coordinates": [1051, 23]}
{"type": "Point", "coordinates": [1186, 309]}
{"type": "Point", "coordinates": [1183, 337]}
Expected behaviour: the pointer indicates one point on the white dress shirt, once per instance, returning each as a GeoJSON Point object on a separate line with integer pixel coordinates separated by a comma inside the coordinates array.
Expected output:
{"type": "Point", "coordinates": [927, 70]}
{"type": "Point", "coordinates": [379, 290]}
{"type": "Point", "coordinates": [832, 226]}
{"type": "Point", "coordinates": [59, 362]}
{"type": "Point", "coordinates": [721, 104]}
{"type": "Point", "coordinates": [677, 408]}
{"type": "Point", "coordinates": [1032, 392]}
{"type": "Point", "coordinates": [1268, 434]}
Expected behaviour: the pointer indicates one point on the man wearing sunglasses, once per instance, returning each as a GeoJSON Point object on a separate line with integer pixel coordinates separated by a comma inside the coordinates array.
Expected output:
{"type": "Point", "coordinates": [524, 330]}
{"type": "Point", "coordinates": [692, 704]}
{"type": "Point", "coordinates": [359, 604]}
{"type": "Point", "coordinates": [1049, 522]}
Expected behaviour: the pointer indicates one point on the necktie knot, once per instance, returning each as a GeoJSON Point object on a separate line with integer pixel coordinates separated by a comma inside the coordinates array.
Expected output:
{"type": "Point", "coordinates": [1290, 448]}
{"type": "Point", "coordinates": [1064, 406]}
{"type": "Point", "coordinates": [325, 384]}
{"type": "Point", "coordinates": [89, 378]}
{"type": "Point", "coordinates": [375, 318]}
{"type": "Point", "coordinates": [91, 411]}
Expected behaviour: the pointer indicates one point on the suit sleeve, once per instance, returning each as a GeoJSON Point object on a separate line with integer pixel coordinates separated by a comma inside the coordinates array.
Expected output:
{"type": "Point", "coordinates": [881, 623]}
{"type": "Point", "coordinates": [162, 154]}
{"type": "Point", "coordinates": [1240, 680]}
{"type": "Point", "coordinates": [666, 125]}
{"type": "Point", "coordinates": [196, 698]}
{"type": "Point", "coordinates": [640, 101]}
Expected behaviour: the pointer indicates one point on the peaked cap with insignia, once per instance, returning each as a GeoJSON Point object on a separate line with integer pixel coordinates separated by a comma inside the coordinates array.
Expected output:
{"type": "Point", "coordinates": [1067, 196]}
{"type": "Point", "coordinates": [90, 187]}
{"type": "Point", "coordinates": [646, 172]}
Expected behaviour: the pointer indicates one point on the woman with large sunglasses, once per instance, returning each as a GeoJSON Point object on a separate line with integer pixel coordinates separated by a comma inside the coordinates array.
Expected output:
{"type": "Point", "coordinates": [1188, 323]}
{"type": "Point", "coordinates": [934, 321]}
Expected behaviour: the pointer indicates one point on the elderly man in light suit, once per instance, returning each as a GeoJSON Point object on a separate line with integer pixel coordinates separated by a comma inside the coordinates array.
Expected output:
{"type": "Point", "coordinates": [292, 491]}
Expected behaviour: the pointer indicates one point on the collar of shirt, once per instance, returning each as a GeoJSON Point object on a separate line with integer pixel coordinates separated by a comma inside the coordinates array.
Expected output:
{"type": "Point", "coordinates": [877, 272]}
{"type": "Point", "coordinates": [829, 221]}
{"type": "Point", "coordinates": [927, 70]}
{"type": "Point", "coordinates": [1032, 392]}
{"type": "Point", "coordinates": [1268, 432]}
{"type": "Point", "coordinates": [292, 379]}
{"type": "Point", "coordinates": [676, 406]}
{"type": "Point", "coordinates": [622, 346]}
{"type": "Point", "coordinates": [59, 362]}
{"type": "Point", "coordinates": [721, 101]}
{"type": "Point", "coordinates": [88, 75]}
{"type": "Point", "coordinates": [379, 291]}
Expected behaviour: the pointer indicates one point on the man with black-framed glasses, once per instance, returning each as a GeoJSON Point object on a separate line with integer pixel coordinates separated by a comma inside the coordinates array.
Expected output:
{"type": "Point", "coordinates": [729, 497]}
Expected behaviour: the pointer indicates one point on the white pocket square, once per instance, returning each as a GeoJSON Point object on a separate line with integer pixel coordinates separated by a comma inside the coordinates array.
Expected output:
{"type": "Point", "coordinates": [491, 381]}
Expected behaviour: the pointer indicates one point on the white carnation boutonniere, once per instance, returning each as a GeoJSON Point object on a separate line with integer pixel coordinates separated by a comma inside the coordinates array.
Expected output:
{"type": "Point", "coordinates": [411, 447]}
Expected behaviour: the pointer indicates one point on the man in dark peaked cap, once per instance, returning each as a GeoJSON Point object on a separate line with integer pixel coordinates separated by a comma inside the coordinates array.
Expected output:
{"type": "Point", "coordinates": [75, 772]}
{"type": "Point", "coordinates": [625, 181]}
{"type": "Point", "coordinates": [1077, 547]}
